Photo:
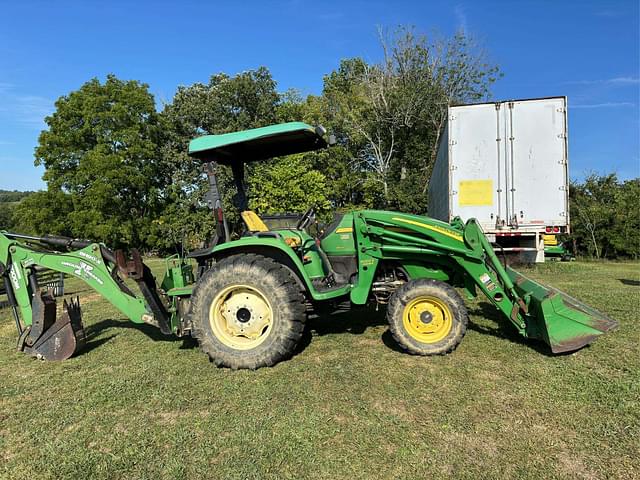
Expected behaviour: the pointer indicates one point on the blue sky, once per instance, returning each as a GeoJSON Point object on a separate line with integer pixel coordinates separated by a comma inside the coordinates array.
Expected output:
{"type": "Point", "coordinates": [586, 50]}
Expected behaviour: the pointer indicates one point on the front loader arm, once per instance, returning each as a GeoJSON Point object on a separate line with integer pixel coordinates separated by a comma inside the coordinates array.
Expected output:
{"type": "Point", "coordinates": [537, 311]}
{"type": "Point", "coordinates": [390, 235]}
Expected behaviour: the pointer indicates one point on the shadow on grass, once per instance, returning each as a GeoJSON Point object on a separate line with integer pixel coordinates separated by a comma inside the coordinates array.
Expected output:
{"type": "Point", "coordinates": [339, 321]}
{"type": "Point", "coordinates": [633, 283]}
{"type": "Point", "coordinates": [77, 292]}
{"type": "Point", "coordinates": [90, 345]}
{"type": "Point", "coordinates": [355, 320]}
{"type": "Point", "coordinates": [345, 320]}
{"type": "Point", "coordinates": [504, 330]}
{"type": "Point", "coordinates": [390, 342]}
{"type": "Point", "coordinates": [95, 330]}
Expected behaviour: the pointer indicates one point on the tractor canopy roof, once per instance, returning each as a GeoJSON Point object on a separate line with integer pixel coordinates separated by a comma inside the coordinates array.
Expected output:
{"type": "Point", "coordinates": [258, 143]}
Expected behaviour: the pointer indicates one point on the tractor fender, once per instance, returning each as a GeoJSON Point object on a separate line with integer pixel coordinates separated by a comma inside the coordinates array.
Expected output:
{"type": "Point", "coordinates": [273, 248]}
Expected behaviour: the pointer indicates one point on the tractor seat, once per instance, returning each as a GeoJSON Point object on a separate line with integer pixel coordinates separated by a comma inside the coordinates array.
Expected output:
{"type": "Point", "coordinates": [253, 222]}
{"type": "Point", "coordinates": [257, 228]}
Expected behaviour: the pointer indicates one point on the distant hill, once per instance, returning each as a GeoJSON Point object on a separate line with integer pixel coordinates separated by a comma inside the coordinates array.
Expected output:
{"type": "Point", "coordinates": [11, 196]}
{"type": "Point", "coordinates": [9, 199]}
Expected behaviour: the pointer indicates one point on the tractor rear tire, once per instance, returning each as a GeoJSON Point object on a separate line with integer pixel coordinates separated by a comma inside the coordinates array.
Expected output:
{"type": "Point", "coordinates": [248, 312]}
{"type": "Point", "coordinates": [427, 317]}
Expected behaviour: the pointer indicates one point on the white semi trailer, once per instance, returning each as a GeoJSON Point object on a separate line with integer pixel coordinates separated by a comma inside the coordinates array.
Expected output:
{"type": "Point", "coordinates": [506, 164]}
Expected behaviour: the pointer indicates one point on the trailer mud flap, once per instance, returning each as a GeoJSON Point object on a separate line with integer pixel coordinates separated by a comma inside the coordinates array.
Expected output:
{"type": "Point", "coordinates": [51, 338]}
{"type": "Point", "coordinates": [561, 321]}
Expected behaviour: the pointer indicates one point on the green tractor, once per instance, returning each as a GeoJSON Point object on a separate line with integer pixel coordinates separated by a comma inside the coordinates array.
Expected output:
{"type": "Point", "coordinates": [246, 300]}
{"type": "Point", "coordinates": [556, 250]}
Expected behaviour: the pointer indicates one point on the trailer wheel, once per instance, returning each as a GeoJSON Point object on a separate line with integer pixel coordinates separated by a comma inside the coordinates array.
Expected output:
{"type": "Point", "coordinates": [427, 317]}
{"type": "Point", "coordinates": [248, 312]}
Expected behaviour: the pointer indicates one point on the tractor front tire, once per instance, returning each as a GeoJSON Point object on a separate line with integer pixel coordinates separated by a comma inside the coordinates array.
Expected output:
{"type": "Point", "coordinates": [427, 317]}
{"type": "Point", "coordinates": [248, 312]}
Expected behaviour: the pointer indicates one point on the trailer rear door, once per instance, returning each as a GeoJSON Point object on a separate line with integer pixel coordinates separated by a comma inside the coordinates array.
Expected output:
{"type": "Point", "coordinates": [476, 163]}
{"type": "Point", "coordinates": [536, 167]}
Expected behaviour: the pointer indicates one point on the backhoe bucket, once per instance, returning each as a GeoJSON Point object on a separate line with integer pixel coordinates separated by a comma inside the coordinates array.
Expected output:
{"type": "Point", "coordinates": [49, 338]}
{"type": "Point", "coordinates": [561, 321]}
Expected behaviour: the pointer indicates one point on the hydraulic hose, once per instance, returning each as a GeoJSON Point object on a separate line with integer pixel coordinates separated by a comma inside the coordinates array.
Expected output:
{"type": "Point", "coordinates": [52, 240]}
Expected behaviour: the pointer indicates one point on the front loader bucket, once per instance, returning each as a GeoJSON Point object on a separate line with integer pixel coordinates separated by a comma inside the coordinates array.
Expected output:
{"type": "Point", "coordinates": [561, 321]}
{"type": "Point", "coordinates": [49, 338]}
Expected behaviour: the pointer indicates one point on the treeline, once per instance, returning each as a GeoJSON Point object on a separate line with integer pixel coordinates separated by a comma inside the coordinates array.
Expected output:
{"type": "Point", "coordinates": [605, 212]}
{"type": "Point", "coordinates": [8, 201]}
{"type": "Point", "coordinates": [605, 216]}
{"type": "Point", "coordinates": [12, 196]}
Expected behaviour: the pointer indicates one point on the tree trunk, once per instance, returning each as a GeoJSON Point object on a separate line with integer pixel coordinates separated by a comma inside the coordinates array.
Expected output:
{"type": "Point", "coordinates": [385, 186]}
{"type": "Point", "coordinates": [595, 243]}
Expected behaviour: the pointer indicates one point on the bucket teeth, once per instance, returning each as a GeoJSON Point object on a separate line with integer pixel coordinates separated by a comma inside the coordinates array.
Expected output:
{"type": "Point", "coordinates": [60, 338]}
{"type": "Point", "coordinates": [72, 311]}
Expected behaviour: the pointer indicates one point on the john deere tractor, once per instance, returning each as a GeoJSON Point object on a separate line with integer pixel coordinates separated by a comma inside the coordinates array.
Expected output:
{"type": "Point", "coordinates": [246, 299]}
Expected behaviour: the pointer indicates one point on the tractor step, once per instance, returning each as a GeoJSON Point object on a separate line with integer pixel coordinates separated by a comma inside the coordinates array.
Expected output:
{"type": "Point", "coordinates": [51, 338]}
{"type": "Point", "coordinates": [327, 284]}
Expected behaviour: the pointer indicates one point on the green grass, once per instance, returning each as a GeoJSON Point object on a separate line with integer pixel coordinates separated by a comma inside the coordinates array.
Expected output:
{"type": "Point", "coordinates": [348, 405]}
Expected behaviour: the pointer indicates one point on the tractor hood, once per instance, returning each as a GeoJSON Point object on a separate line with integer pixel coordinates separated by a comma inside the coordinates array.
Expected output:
{"type": "Point", "coordinates": [258, 143]}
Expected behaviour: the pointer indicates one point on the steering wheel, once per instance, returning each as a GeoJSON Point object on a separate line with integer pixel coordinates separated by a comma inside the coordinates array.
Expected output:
{"type": "Point", "coordinates": [306, 219]}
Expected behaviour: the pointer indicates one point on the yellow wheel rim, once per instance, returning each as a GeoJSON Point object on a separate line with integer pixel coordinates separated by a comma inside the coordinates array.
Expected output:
{"type": "Point", "coordinates": [241, 317]}
{"type": "Point", "coordinates": [427, 319]}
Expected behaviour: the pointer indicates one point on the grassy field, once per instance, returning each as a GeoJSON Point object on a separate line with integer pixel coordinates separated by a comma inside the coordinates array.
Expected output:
{"type": "Point", "coordinates": [348, 405]}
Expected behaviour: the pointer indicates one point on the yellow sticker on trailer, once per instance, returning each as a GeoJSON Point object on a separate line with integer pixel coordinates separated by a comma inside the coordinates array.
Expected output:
{"type": "Point", "coordinates": [475, 193]}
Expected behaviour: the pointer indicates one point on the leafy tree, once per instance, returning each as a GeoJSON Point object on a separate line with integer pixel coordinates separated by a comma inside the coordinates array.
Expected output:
{"type": "Point", "coordinates": [9, 200]}
{"type": "Point", "coordinates": [291, 107]}
{"type": "Point", "coordinates": [44, 212]}
{"type": "Point", "coordinates": [102, 164]}
{"type": "Point", "coordinates": [344, 105]}
{"type": "Point", "coordinates": [288, 185]}
{"type": "Point", "coordinates": [341, 173]}
{"type": "Point", "coordinates": [393, 111]}
{"type": "Point", "coordinates": [6, 216]}
{"type": "Point", "coordinates": [626, 241]}
{"type": "Point", "coordinates": [605, 216]}
{"type": "Point", "coordinates": [225, 104]}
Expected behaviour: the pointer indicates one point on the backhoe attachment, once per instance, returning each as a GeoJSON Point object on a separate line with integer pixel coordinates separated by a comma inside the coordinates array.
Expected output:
{"type": "Point", "coordinates": [50, 337]}
{"type": "Point", "coordinates": [54, 332]}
